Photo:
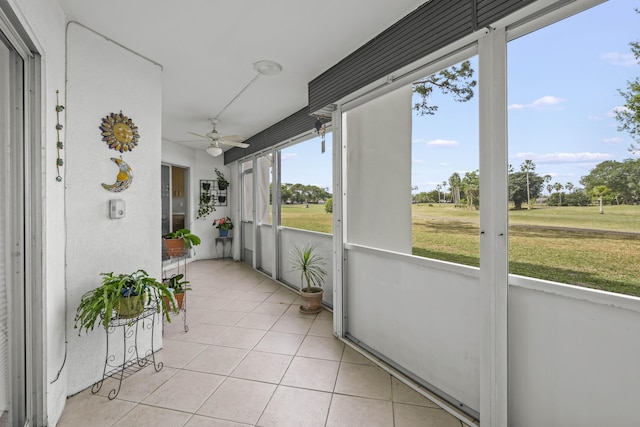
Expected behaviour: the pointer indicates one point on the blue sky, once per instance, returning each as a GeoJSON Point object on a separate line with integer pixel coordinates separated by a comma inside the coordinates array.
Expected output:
{"type": "Point", "coordinates": [563, 89]}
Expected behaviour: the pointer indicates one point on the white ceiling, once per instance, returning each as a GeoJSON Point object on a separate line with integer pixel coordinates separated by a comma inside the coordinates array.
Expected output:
{"type": "Point", "coordinates": [208, 47]}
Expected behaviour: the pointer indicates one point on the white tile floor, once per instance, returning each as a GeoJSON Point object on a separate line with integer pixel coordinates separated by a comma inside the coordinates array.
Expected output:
{"type": "Point", "coordinates": [251, 358]}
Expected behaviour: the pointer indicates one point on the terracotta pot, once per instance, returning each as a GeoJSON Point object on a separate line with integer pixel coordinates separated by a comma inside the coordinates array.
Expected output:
{"type": "Point", "coordinates": [175, 247]}
{"type": "Point", "coordinates": [128, 307]}
{"type": "Point", "coordinates": [311, 301]}
{"type": "Point", "coordinates": [179, 299]}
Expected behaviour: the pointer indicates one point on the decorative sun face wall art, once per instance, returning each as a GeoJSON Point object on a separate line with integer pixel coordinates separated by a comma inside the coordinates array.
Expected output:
{"type": "Point", "coordinates": [119, 132]}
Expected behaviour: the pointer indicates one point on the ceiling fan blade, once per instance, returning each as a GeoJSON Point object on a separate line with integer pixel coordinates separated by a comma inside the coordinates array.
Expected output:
{"type": "Point", "coordinates": [234, 144]}
{"type": "Point", "coordinates": [233, 138]}
{"type": "Point", "coordinates": [201, 136]}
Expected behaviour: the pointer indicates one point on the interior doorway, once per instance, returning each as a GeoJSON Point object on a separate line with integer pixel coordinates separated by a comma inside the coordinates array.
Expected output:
{"type": "Point", "coordinates": [175, 198]}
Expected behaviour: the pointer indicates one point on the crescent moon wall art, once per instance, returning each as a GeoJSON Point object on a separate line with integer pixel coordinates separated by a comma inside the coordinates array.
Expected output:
{"type": "Point", "coordinates": [123, 179]}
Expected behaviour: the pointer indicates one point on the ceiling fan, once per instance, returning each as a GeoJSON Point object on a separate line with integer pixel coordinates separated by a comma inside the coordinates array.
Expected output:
{"type": "Point", "coordinates": [216, 138]}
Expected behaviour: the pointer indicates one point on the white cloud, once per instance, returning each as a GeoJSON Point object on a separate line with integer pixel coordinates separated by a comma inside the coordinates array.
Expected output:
{"type": "Point", "coordinates": [540, 103]}
{"type": "Point", "coordinates": [418, 140]}
{"type": "Point", "coordinates": [289, 156]}
{"type": "Point", "coordinates": [417, 161]}
{"type": "Point", "coordinates": [545, 101]}
{"type": "Point", "coordinates": [442, 143]}
{"type": "Point", "coordinates": [594, 117]}
{"type": "Point", "coordinates": [559, 157]}
{"type": "Point", "coordinates": [613, 140]}
{"type": "Point", "coordinates": [620, 59]}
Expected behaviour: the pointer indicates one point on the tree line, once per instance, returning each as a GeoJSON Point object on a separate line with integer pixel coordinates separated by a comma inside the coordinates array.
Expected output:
{"type": "Point", "coordinates": [300, 193]}
{"type": "Point", "coordinates": [610, 182]}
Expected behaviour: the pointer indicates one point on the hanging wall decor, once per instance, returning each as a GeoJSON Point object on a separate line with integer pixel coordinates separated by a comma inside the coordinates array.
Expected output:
{"type": "Point", "coordinates": [59, 161]}
{"type": "Point", "coordinates": [123, 179]}
{"type": "Point", "coordinates": [119, 132]}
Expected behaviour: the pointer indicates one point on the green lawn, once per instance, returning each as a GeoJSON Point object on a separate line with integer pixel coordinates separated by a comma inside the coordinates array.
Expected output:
{"type": "Point", "coordinates": [574, 245]}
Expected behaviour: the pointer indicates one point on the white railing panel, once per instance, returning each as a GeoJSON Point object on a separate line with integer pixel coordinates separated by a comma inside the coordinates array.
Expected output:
{"type": "Point", "coordinates": [421, 314]}
{"type": "Point", "coordinates": [573, 355]}
{"type": "Point", "coordinates": [289, 238]}
{"type": "Point", "coordinates": [266, 248]}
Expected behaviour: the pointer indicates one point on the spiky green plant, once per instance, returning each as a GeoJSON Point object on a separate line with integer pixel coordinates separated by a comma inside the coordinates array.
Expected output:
{"type": "Point", "coordinates": [310, 264]}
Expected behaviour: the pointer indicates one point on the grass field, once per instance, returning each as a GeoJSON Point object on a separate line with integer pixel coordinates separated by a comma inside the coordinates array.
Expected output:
{"type": "Point", "coordinates": [574, 245]}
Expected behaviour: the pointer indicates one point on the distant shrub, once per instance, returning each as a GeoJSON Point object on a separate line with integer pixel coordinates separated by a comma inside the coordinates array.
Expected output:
{"type": "Point", "coordinates": [328, 206]}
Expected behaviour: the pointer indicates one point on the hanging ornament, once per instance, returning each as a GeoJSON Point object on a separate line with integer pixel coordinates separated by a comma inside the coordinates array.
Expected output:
{"type": "Point", "coordinates": [321, 129]}
{"type": "Point", "coordinates": [59, 145]}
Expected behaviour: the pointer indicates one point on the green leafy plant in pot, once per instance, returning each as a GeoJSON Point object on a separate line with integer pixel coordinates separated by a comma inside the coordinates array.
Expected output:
{"type": "Point", "coordinates": [177, 287]}
{"type": "Point", "coordinates": [180, 241]}
{"type": "Point", "coordinates": [222, 181]}
{"type": "Point", "coordinates": [122, 296]}
{"type": "Point", "coordinates": [310, 264]}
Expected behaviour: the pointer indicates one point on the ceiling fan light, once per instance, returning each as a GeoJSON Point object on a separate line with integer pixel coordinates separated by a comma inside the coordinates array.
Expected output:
{"type": "Point", "coordinates": [214, 151]}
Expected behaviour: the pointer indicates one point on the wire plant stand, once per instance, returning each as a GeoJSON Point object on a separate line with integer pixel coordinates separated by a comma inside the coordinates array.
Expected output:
{"type": "Point", "coordinates": [180, 264]}
{"type": "Point", "coordinates": [132, 360]}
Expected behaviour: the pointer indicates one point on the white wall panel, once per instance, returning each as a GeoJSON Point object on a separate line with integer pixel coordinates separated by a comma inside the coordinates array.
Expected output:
{"type": "Point", "coordinates": [105, 78]}
{"type": "Point", "coordinates": [378, 140]}
{"type": "Point", "coordinates": [573, 358]}
{"type": "Point", "coordinates": [422, 314]}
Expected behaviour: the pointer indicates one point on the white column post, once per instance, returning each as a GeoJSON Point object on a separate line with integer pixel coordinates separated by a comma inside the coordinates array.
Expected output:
{"type": "Point", "coordinates": [494, 269]}
{"type": "Point", "coordinates": [339, 213]}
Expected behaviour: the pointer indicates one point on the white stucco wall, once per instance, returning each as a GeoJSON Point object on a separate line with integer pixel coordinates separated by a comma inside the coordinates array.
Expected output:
{"type": "Point", "coordinates": [44, 22]}
{"type": "Point", "coordinates": [103, 78]}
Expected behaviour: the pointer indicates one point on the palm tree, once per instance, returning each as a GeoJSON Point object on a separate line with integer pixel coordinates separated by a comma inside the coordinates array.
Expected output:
{"type": "Point", "coordinates": [444, 195]}
{"type": "Point", "coordinates": [557, 186]}
{"type": "Point", "coordinates": [569, 186]}
{"type": "Point", "coordinates": [547, 179]}
{"type": "Point", "coordinates": [438, 188]}
{"type": "Point", "coordinates": [471, 185]}
{"type": "Point", "coordinates": [528, 166]}
{"type": "Point", "coordinates": [454, 184]}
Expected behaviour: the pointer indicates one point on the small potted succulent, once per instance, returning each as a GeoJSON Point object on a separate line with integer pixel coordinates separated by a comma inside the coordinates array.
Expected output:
{"type": "Point", "coordinates": [223, 225]}
{"type": "Point", "coordinates": [180, 241]}
{"type": "Point", "coordinates": [310, 264]}
{"type": "Point", "coordinates": [122, 296]}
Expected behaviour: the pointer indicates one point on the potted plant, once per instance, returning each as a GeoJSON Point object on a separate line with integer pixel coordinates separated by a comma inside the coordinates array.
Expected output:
{"type": "Point", "coordinates": [207, 204]}
{"type": "Point", "coordinates": [310, 264]}
{"type": "Point", "coordinates": [177, 287]}
{"type": "Point", "coordinates": [122, 296]}
{"type": "Point", "coordinates": [180, 241]}
{"type": "Point", "coordinates": [223, 225]}
{"type": "Point", "coordinates": [222, 181]}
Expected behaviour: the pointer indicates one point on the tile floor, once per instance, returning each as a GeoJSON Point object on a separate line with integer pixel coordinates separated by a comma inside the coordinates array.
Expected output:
{"type": "Point", "coordinates": [251, 359]}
